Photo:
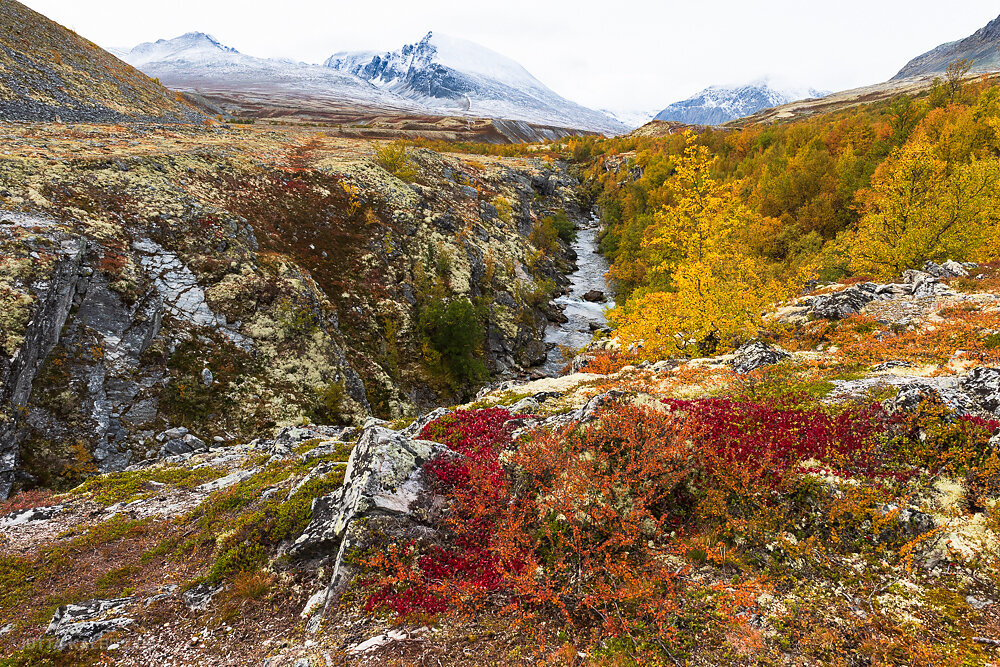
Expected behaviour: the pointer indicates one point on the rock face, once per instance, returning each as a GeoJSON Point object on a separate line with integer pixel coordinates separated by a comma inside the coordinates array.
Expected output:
{"type": "Point", "coordinates": [756, 354]}
{"type": "Point", "coordinates": [53, 297]}
{"type": "Point", "coordinates": [215, 316]}
{"type": "Point", "coordinates": [385, 496]}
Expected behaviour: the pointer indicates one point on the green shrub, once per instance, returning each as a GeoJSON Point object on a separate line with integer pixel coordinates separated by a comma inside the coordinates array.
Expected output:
{"type": "Point", "coordinates": [549, 230]}
{"type": "Point", "coordinates": [453, 335]}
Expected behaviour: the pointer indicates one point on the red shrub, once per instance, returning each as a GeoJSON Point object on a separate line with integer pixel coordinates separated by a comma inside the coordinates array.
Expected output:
{"type": "Point", "coordinates": [27, 500]}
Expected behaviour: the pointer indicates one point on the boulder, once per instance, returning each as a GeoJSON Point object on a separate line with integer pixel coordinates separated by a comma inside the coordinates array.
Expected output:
{"type": "Point", "coordinates": [88, 621]}
{"type": "Point", "coordinates": [756, 354]}
{"type": "Point", "coordinates": [841, 304]}
{"type": "Point", "coordinates": [595, 296]}
{"type": "Point", "coordinates": [386, 496]}
{"type": "Point", "coordinates": [948, 269]}
{"type": "Point", "coordinates": [983, 386]}
{"type": "Point", "coordinates": [923, 284]}
{"type": "Point", "coordinates": [199, 597]}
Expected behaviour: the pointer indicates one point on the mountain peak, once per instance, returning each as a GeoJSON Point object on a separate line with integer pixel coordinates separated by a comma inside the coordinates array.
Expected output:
{"type": "Point", "coordinates": [719, 104]}
{"type": "Point", "coordinates": [459, 76]}
{"type": "Point", "coordinates": [191, 46]}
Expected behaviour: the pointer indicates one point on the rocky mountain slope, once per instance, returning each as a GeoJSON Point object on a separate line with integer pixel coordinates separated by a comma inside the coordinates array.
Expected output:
{"type": "Point", "coordinates": [224, 280]}
{"type": "Point", "coordinates": [459, 77]}
{"type": "Point", "coordinates": [719, 104]}
{"type": "Point", "coordinates": [982, 48]}
{"type": "Point", "coordinates": [48, 72]}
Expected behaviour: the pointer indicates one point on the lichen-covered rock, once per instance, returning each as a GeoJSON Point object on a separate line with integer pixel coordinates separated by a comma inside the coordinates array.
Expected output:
{"type": "Point", "coordinates": [757, 354]}
{"type": "Point", "coordinates": [88, 621]}
{"type": "Point", "coordinates": [948, 269]}
{"type": "Point", "coordinates": [983, 385]}
{"type": "Point", "coordinates": [839, 305]}
{"type": "Point", "coordinates": [199, 597]}
{"type": "Point", "coordinates": [385, 496]}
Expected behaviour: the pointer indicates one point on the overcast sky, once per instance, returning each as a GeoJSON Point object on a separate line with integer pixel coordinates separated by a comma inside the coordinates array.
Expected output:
{"type": "Point", "coordinates": [624, 54]}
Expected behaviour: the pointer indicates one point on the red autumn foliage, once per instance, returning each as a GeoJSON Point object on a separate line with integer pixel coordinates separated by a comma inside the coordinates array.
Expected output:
{"type": "Point", "coordinates": [586, 524]}
{"type": "Point", "coordinates": [27, 500]}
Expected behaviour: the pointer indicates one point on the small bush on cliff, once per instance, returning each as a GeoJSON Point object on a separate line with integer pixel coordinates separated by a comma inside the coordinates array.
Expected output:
{"type": "Point", "coordinates": [394, 158]}
{"type": "Point", "coordinates": [452, 335]}
{"type": "Point", "coordinates": [549, 230]}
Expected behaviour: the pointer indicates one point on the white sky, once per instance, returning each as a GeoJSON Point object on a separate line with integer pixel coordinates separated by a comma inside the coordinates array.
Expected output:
{"type": "Point", "coordinates": [624, 54]}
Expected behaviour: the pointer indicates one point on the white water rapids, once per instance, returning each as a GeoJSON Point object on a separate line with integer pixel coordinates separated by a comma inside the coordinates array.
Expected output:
{"type": "Point", "coordinates": [589, 275]}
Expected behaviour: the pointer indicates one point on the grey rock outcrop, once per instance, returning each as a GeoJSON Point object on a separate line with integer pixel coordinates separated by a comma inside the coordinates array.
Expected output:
{"type": "Point", "coordinates": [757, 354]}
{"type": "Point", "coordinates": [983, 385]}
{"type": "Point", "coordinates": [386, 495]}
{"type": "Point", "coordinates": [841, 304]}
{"type": "Point", "coordinates": [88, 621]}
{"type": "Point", "coordinates": [54, 298]}
{"type": "Point", "coordinates": [199, 597]}
{"type": "Point", "coordinates": [948, 269]}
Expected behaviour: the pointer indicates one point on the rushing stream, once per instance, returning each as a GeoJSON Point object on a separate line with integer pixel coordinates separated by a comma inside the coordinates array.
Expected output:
{"type": "Point", "coordinates": [589, 275]}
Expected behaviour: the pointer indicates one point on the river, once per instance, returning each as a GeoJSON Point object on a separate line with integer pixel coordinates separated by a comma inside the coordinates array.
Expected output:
{"type": "Point", "coordinates": [589, 275]}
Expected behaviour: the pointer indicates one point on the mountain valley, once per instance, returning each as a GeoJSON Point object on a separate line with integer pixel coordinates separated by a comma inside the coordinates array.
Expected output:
{"type": "Point", "coordinates": [404, 359]}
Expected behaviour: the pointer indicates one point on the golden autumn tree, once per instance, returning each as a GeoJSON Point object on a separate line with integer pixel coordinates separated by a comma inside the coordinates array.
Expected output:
{"type": "Point", "coordinates": [919, 207]}
{"type": "Point", "coordinates": [700, 247]}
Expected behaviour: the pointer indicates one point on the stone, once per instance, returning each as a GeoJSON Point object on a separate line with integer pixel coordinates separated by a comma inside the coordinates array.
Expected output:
{"type": "Point", "coordinates": [839, 305]}
{"type": "Point", "coordinates": [172, 434]}
{"type": "Point", "coordinates": [164, 593]}
{"type": "Point", "coordinates": [227, 481]}
{"type": "Point", "coordinates": [595, 296]}
{"type": "Point", "coordinates": [207, 378]}
{"type": "Point", "coordinates": [385, 495]}
{"type": "Point", "coordinates": [924, 284]}
{"type": "Point", "coordinates": [756, 354]}
{"type": "Point", "coordinates": [199, 597]}
{"type": "Point", "coordinates": [983, 385]}
{"type": "Point", "coordinates": [88, 621]}
{"type": "Point", "coordinates": [31, 515]}
{"type": "Point", "coordinates": [948, 269]}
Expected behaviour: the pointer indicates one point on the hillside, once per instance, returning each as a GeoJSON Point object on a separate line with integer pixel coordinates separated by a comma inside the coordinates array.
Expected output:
{"type": "Point", "coordinates": [298, 394]}
{"type": "Point", "coordinates": [48, 72]}
{"type": "Point", "coordinates": [981, 49]}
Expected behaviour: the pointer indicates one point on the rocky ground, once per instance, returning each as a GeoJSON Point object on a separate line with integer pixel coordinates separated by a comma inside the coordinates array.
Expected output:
{"type": "Point", "coordinates": [244, 553]}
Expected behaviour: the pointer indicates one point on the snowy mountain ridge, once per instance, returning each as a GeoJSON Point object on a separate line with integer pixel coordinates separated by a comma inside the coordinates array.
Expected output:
{"type": "Point", "coordinates": [438, 75]}
{"type": "Point", "coordinates": [457, 76]}
{"type": "Point", "coordinates": [719, 104]}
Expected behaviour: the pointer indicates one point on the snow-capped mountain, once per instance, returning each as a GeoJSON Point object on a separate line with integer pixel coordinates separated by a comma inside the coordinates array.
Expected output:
{"type": "Point", "coordinates": [199, 62]}
{"type": "Point", "coordinates": [630, 118]}
{"type": "Point", "coordinates": [456, 76]}
{"type": "Point", "coordinates": [718, 104]}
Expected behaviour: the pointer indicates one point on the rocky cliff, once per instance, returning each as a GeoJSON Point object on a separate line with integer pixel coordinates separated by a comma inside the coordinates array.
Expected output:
{"type": "Point", "coordinates": [276, 279]}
